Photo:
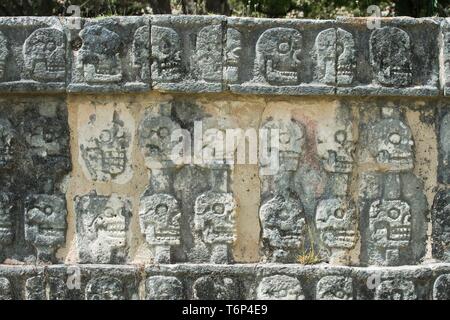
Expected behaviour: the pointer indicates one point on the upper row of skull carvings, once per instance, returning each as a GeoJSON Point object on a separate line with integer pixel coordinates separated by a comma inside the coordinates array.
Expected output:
{"type": "Point", "coordinates": [130, 53]}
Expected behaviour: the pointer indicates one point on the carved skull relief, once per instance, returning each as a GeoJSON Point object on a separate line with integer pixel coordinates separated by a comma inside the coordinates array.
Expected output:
{"type": "Point", "coordinates": [35, 288]}
{"type": "Point", "coordinates": [7, 141]}
{"type": "Point", "coordinates": [390, 56]}
{"type": "Point", "coordinates": [155, 140]}
{"type": "Point", "coordinates": [232, 55]}
{"type": "Point", "coordinates": [102, 223]}
{"type": "Point", "coordinates": [397, 289]}
{"type": "Point", "coordinates": [292, 137]}
{"type": "Point", "coordinates": [98, 58]}
{"type": "Point", "coordinates": [141, 53]}
{"type": "Point", "coordinates": [215, 217]}
{"type": "Point", "coordinates": [444, 144]}
{"type": "Point", "coordinates": [208, 54]}
{"type": "Point", "coordinates": [334, 288]}
{"type": "Point", "coordinates": [336, 222]}
{"type": "Point", "coordinates": [346, 61]}
{"type": "Point", "coordinates": [5, 289]}
{"type": "Point", "coordinates": [4, 51]}
{"type": "Point", "coordinates": [163, 288]}
{"type": "Point", "coordinates": [283, 224]}
{"type": "Point", "coordinates": [106, 155]}
{"type": "Point", "coordinates": [159, 216]}
{"type": "Point", "coordinates": [277, 60]}
{"type": "Point", "coordinates": [340, 158]}
{"type": "Point", "coordinates": [210, 288]}
{"type": "Point", "coordinates": [105, 288]}
{"type": "Point", "coordinates": [6, 219]}
{"type": "Point", "coordinates": [45, 221]}
{"type": "Point", "coordinates": [390, 143]}
{"type": "Point", "coordinates": [166, 54]}
{"type": "Point", "coordinates": [441, 225]}
{"type": "Point", "coordinates": [280, 287]}
{"type": "Point", "coordinates": [325, 56]}
{"type": "Point", "coordinates": [44, 55]}
{"type": "Point", "coordinates": [390, 225]}
{"type": "Point", "coordinates": [441, 287]}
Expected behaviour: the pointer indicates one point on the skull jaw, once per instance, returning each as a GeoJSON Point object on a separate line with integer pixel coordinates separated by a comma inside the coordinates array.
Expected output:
{"type": "Point", "coordinates": [394, 76]}
{"type": "Point", "coordinates": [396, 161]}
{"type": "Point", "coordinates": [280, 77]}
{"type": "Point", "coordinates": [344, 239]}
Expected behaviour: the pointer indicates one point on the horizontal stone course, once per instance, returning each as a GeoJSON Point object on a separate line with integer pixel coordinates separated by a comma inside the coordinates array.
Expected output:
{"type": "Point", "coordinates": [347, 56]}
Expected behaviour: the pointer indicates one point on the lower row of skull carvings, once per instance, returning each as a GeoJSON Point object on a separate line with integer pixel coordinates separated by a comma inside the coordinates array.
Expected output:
{"type": "Point", "coordinates": [276, 287]}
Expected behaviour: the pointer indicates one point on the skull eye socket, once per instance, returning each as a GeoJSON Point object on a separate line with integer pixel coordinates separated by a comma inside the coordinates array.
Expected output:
{"type": "Point", "coordinates": [48, 210]}
{"type": "Point", "coordinates": [285, 138]}
{"type": "Point", "coordinates": [340, 294]}
{"type": "Point", "coordinates": [340, 136]}
{"type": "Point", "coordinates": [105, 136]}
{"type": "Point", "coordinates": [283, 47]}
{"type": "Point", "coordinates": [395, 138]}
{"type": "Point", "coordinates": [394, 213]}
{"type": "Point", "coordinates": [161, 209]}
{"type": "Point", "coordinates": [165, 46]}
{"type": "Point", "coordinates": [163, 132]}
{"type": "Point", "coordinates": [109, 212]}
{"type": "Point", "coordinates": [218, 208]}
{"type": "Point", "coordinates": [339, 213]}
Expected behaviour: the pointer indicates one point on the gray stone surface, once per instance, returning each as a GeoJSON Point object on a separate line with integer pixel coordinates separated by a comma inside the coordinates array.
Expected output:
{"type": "Point", "coordinates": [110, 55]}
{"type": "Point", "coordinates": [441, 226]}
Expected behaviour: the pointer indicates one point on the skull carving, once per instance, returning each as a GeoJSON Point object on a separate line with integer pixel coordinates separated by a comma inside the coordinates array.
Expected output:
{"type": "Point", "coordinates": [390, 143]}
{"type": "Point", "coordinates": [325, 56]}
{"type": "Point", "coordinates": [155, 140]}
{"type": "Point", "coordinates": [390, 56]}
{"type": "Point", "coordinates": [215, 217]}
{"type": "Point", "coordinates": [396, 289]}
{"type": "Point", "coordinates": [279, 287]}
{"type": "Point", "coordinates": [6, 219]}
{"type": "Point", "coordinates": [283, 226]}
{"type": "Point", "coordinates": [232, 55]}
{"type": "Point", "coordinates": [340, 159]}
{"type": "Point", "coordinates": [141, 52]}
{"type": "Point", "coordinates": [208, 55]}
{"type": "Point", "coordinates": [166, 55]}
{"type": "Point", "coordinates": [441, 226]}
{"type": "Point", "coordinates": [159, 216]}
{"type": "Point", "coordinates": [35, 288]}
{"type": "Point", "coordinates": [5, 289]}
{"type": "Point", "coordinates": [98, 59]}
{"type": "Point", "coordinates": [106, 155]}
{"type": "Point", "coordinates": [44, 55]}
{"type": "Point", "coordinates": [334, 288]}
{"type": "Point", "coordinates": [102, 223]}
{"type": "Point", "coordinates": [105, 288]}
{"type": "Point", "coordinates": [45, 222]}
{"type": "Point", "coordinates": [7, 142]}
{"type": "Point", "coordinates": [292, 137]}
{"type": "Point", "coordinates": [277, 59]}
{"type": "Point", "coordinates": [337, 223]}
{"type": "Point", "coordinates": [211, 288]}
{"type": "Point", "coordinates": [164, 288]}
{"type": "Point", "coordinates": [346, 62]}
{"type": "Point", "coordinates": [4, 51]}
{"type": "Point", "coordinates": [389, 228]}
{"type": "Point", "coordinates": [444, 138]}
{"type": "Point", "coordinates": [441, 287]}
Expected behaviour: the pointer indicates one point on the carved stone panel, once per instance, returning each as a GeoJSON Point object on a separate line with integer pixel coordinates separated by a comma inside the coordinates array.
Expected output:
{"type": "Point", "coordinates": [334, 288]}
{"type": "Point", "coordinates": [106, 145]}
{"type": "Point", "coordinates": [45, 224]}
{"type": "Point", "coordinates": [163, 288]}
{"type": "Point", "coordinates": [280, 287]}
{"type": "Point", "coordinates": [105, 288]}
{"type": "Point", "coordinates": [441, 226]}
{"type": "Point", "coordinates": [396, 289]}
{"type": "Point", "coordinates": [110, 54]}
{"type": "Point", "coordinates": [5, 289]}
{"type": "Point", "coordinates": [186, 53]}
{"type": "Point", "coordinates": [33, 55]}
{"type": "Point", "coordinates": [102, 225]}
{"type": "Point", "coordinates": [7, 223]}
{"type": "Point", "coordinates": [443, 125]}
{"type": "Point", "coordinates": [441, 287]}
{"type": "Point", "coordinates": [214, 288]}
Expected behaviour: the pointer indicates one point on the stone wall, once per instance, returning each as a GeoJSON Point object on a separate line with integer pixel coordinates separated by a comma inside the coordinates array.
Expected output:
{"type": "Point", "coordinates": [95, 206]}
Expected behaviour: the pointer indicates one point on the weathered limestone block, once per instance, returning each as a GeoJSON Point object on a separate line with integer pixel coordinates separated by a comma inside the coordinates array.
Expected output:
{"type": "Point", "coordinates": [441, 226]}
{"type": "Point", "coordinates": [443, 133]}
{"type": "Point", "coordinates": [393, 205]}
{"type": "Point", "coordinates": [33, 55]}
{"type": "Point", "coordinates": [102, 226]}
{"type": "Point", "coordinates": [163, 288]}
{"type": "Point", "coordinates": [441, 287]}
{"type": "Point", "coordinates": [334, 288]}
{"type": "Point", "coordinates": [276, 58]}
{"type": "Point", "coordinates": [445, 56]}
{"type": "Point", "coordinates": [396, 289]}
{"type": "Point", "coordinates": [186, 53]}
{"type": "Point", "coordinates": [215, 288]}
{"type": "Point", "coordinates": [5, 289]}
{"type": "Point", "coordinates": [35, 159]}
{"type": "Point", "coordinates": [280, 287]}
{"type": "Point", "coordinates": [110, 55]}
{"type": "Point", "coordinates": [105, 139]}
{"type": "Point", "coordinates": [389, 61]}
